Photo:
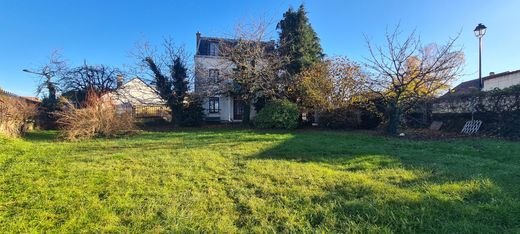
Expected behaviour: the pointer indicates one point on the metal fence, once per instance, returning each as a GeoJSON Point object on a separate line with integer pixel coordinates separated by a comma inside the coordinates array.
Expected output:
{"type": "Point", "coordinates": [151, 112]}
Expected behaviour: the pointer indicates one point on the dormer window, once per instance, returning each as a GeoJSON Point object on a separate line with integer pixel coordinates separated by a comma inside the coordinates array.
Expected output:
{"type": "Point", "coordinates": [213, 48]}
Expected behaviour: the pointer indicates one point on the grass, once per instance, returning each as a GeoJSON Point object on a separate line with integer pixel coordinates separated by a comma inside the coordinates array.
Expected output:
{"type": "Point", "coordinates": [259, 181]}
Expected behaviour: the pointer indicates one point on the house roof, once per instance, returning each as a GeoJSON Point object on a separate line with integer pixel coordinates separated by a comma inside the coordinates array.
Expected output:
{"type": "Point", "coordinates": [471, 86]}
{"type": "Point", "coordinates": [204, 42]}
{"type": "Point", "coordinates": [2, 91]}
{"type": "Point", "coordinates": [33, 100]}
{"type": "Point", "coordinates": [136, 92]}
{"type": "Point", "coordinates": [467, 87]}
{"type": "Point", "coordinates": [493, 76]}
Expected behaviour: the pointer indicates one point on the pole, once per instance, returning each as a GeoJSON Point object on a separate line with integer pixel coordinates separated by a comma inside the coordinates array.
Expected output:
{"type": "Point", "coordinates": [481, 84]}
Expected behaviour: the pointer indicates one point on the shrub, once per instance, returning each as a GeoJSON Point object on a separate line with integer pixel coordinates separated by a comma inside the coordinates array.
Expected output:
{"type": "Point", "coordinates": [16, 115]}
{"type": "Point", "coordinates": [335, 118]}
{"type": "Point", "coordinates": [349, 118]}
{"type": "Point", "coordinates": [193, 114]}
{"type": "Point", "coordinates": [97, 117]}
{"type": "Point", "coordinates": [281, 114]}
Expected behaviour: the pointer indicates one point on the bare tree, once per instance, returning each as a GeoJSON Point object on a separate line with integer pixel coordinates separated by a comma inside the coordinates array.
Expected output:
{"type": "Point", "coordinates": [77, 82]}
{"type": "Point", "coordinates": [405, 72]}
{"type": "Point", "coordinates": [49, 73]}
{"type": "Point", "coordinates": [251, 65]}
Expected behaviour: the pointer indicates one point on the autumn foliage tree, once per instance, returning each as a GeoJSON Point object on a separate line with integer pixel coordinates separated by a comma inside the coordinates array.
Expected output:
{"type": "Point", "coordinates": [405, 72]}
{"type": "Point", "coordinates": [335, 83]}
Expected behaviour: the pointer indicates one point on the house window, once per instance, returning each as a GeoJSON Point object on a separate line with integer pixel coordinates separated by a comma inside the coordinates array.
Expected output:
{"type": "Point", "coordinates": [213, 49]}
{"type": "Point", "coordinates": [213, 74]}
{"type": "Point", "coordinates": [213, 105]}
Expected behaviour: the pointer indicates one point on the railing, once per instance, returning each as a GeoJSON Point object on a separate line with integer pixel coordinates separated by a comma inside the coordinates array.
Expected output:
{"type": "Point", "coordinates": [7, 93]}
{"type": "Point", "coordinates": [151, 112]}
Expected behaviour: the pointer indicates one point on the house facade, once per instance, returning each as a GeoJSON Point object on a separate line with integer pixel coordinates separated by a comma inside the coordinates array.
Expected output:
{"type": "Point", "coordinates": [138, 98]}
{"type": "Point", "coordinates": [212, 82]}
{"type": "Point", "coordinates": [501, 80]}
{"type": "Point", "coordinates": [492, 81]}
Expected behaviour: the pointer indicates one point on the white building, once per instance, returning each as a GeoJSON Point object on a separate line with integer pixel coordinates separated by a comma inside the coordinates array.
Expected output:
{"type": "Point", "coordinates": [211, 79]}
{"type": "Point", "coordinates": [493, 81]}
{"type": "Point", "coordinates": [501, 80]}
{"type": "Point", "coordinates": [137, 97]}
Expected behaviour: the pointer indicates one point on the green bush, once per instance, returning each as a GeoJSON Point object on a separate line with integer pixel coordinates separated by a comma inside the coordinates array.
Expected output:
{"type": "Point", "coordinates": [349, 118]}
{"type": "Point", "coordinates": [193, 114]}
{"type": "Point", "coordinates": [281, 114]}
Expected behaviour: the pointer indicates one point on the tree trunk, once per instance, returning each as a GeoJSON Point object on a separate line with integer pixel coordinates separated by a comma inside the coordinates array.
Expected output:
{"type": "Point", "coordinates": [174, 121]}
{"type": "Point", "coordinates": [394, 119]}
{"type": "Point", "coordinates": [247, 113]}
{"type": "Point", "coordinates": [176, 113]}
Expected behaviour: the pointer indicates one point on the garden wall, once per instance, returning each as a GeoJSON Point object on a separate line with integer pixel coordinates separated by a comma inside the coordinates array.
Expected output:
{"type": "Point", "coordinates": [499, 110]}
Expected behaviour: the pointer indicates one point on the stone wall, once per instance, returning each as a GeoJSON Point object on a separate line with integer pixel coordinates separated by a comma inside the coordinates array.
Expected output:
{"type": "Point", "coordinates": [477, 103]}
{"type": "Point", "coordinates": [498, 110]}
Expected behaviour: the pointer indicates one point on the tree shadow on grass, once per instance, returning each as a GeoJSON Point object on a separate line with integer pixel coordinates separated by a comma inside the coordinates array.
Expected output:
{"type": "Point", "coordinates": [396, 185]}
{"type": "Point", "coordinates": [459, 159]}
{"type": "Point", "coordinates": [41, 136]}
{"type": "Point", "coordinates": [333, 181]}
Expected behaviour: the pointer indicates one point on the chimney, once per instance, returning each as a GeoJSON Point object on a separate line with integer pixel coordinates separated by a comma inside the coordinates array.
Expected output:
{"type": "Point", "coordinates": [119, 81]}
{"type": "Point", "coordinates": [198, 41]}
{"type": "Point", "coordinates": [492, 73]}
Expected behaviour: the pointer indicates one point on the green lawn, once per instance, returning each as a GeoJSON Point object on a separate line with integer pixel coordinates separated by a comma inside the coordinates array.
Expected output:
{"type": "Point", "coordinates": [217, 180]}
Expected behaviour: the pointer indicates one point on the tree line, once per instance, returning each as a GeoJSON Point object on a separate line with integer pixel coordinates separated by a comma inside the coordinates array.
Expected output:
{"type": "Point", "coordinates": [396, 76]}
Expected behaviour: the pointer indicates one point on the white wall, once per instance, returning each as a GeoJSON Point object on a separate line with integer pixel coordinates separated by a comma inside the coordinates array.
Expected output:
{"type": "Point", "coordinates": [204, 87]}
{"type": "Point", "coordinates": [226, 109]}
{"type": "Point", "coordinates": [502, 82]}
{"type": "Point", "coordinates": [202, 66]}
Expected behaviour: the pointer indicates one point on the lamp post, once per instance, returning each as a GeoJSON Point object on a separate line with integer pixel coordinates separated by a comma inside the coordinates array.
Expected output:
{"type": "Point", "coordinates": [50, 86]}
{"type": "Point", "coordinates": [479, 31]}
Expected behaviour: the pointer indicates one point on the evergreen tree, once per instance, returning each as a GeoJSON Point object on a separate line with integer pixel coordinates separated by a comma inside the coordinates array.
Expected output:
{"type": "Point", "coordinates": [299, 43]}
{"type": "Point", "coordinates": [180, 88]}
{"type": "Point", "coordinates": [173, 89]}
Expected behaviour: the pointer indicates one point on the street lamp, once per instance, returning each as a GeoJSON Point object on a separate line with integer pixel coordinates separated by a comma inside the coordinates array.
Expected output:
{"type": "Point", "coordinates": [50, 86]}
{"type": "Point", "coordinates": [37, 73]}
{"type": "Point", "coordinates": [479, 31]}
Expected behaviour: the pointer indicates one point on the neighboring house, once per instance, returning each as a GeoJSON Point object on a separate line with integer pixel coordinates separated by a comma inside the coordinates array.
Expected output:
{"type": "Point", "coordinates": [31, 100]}
{"type": "Point", "coordinates": [449, 103]}
{"type": "Point", "coordinates": [138, 98]}
{"type": "Point", "coordinates": [501, 80]}
{"type": "Point", "coordinates": [493, 81]}
{"type": "Point", "coordinates": [211, 79]}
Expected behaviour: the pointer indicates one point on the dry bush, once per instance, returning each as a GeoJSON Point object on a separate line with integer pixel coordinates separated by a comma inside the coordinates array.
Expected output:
{"type": "Point", "coordinates": [16, 115]}
{"type": "Point", "coordinates": [98, 117]}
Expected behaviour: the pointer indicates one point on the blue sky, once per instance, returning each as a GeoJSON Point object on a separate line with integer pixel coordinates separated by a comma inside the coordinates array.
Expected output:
{"type": "Point", "coordinates": [104, 32]}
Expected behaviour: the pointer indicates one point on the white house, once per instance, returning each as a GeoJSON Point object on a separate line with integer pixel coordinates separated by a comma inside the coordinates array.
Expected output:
{"type": "Point", "coordinates": [137, 97]}
{"type": "Point", "coordinates": [493, 81]}
{"type": "Point", "coordinates": [501, 80]}
{"type": "Point", "coordinates": [210, 79]}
